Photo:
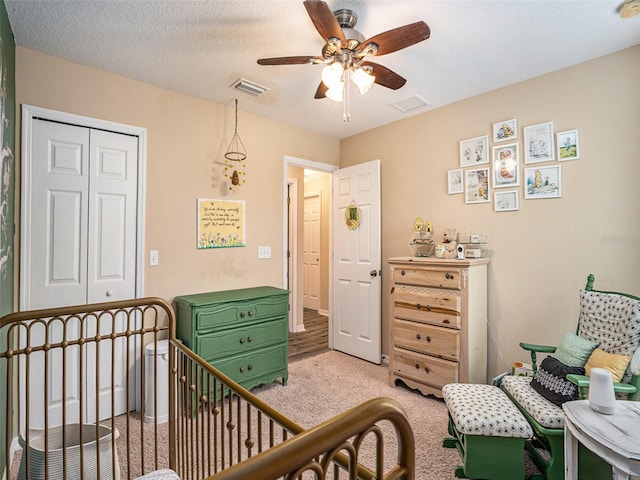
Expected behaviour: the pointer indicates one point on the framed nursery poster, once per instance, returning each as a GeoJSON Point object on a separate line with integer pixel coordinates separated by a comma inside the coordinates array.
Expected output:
{"type": "Point", "coordinates": [543, 182]}
{"type": "Point", "coordinates": [505, 130]}
{"type": "Point", "coordinates": [220, 223]}
{"type": "Point", "coordinates": [506, 201]}
{"type": "Point", "coordinates": [538, 143]}
{"type": "Point", "coordinates": [477, 185]}
{"type": "Point", "coordinates": [474, 151]}
{"type": "Point", "coordinates": [506, 170]}
{"type": "Point", "coordinates": [568, 145]}
{"type": "Point", "coordinates": [454, 181]}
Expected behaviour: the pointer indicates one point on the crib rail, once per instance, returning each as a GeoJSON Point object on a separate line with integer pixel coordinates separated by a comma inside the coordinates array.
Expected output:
{"type": "Point", "coordinates": [224, 432]}
{"type": "Point", "coordinates": [97, 358]}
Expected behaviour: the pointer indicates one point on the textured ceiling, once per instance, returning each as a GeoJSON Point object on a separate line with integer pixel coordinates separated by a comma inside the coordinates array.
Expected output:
{"type": "Point", "coordinates": [201, 47]}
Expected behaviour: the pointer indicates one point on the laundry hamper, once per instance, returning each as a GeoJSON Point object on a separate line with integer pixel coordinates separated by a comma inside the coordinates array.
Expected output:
{"type": "Point", "coordinates": [73, 462]}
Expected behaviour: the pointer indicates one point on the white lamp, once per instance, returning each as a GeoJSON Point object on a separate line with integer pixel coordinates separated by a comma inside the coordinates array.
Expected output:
{"type": "Point", "coordinates": [602, 399]}
{"type": "Point", "coordinates": [332, 77]}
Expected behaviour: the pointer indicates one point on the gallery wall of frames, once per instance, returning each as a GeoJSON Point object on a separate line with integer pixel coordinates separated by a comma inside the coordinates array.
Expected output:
{"type": "Point", "coordinates": [503, 168]}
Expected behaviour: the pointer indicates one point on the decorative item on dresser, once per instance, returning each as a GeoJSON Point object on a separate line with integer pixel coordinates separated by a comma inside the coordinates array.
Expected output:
{"type": "Point", "coordinates": [438, 328]}
{"type": "Point", "coordinates": [243, 333]}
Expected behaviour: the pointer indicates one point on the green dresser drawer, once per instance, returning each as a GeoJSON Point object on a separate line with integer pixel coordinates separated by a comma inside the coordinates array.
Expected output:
{"type": "Point", "coordinates": [242, 311]}
{"type": "Point", "coordinates": [238, 340]}
{"type": "Point", "coordinates": [255, 368]}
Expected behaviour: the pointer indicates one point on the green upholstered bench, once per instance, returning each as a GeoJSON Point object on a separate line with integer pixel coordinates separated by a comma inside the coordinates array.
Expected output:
{"type": "Point", "coordinates": [488, 430]}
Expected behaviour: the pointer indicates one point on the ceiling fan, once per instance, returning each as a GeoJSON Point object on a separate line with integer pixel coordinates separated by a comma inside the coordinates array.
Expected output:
{"type": "Point", "coordinates": [346, 52]}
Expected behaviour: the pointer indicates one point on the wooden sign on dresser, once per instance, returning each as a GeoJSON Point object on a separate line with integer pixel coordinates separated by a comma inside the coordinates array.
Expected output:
{"type": "Point", "coordinates": [438, 322]}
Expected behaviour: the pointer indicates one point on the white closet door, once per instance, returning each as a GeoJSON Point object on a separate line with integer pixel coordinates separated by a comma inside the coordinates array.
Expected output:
{"type": "Point", "coordinates": [112, 217]}
{"type": "Point", "coordinates": [80, 222]}
{"type": "Point", "coordinates": [57, 216]}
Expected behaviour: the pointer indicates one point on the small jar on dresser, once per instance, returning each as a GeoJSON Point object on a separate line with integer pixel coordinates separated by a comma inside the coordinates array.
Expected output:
{"type": "Point", "coordinates": [243, 333]}
{"type": "Point", "coordinates": [438, 322]}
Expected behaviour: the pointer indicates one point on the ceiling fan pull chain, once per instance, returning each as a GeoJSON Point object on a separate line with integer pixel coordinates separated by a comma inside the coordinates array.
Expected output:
{"type": "Point", "coordinates": [346, 103]}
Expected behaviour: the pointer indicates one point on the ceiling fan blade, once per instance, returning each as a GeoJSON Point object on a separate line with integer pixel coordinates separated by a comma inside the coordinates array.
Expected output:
{"type": "Point", "coordinates": [321, 92]}
{"type": "Point", "coordinates": [288, 60]}
{"type": "Point", "coordinates": [324, 20]}
{"type": "Point", "coordinates": [398, 38]}
{"type": "Point", "coordinates": [385, 77]}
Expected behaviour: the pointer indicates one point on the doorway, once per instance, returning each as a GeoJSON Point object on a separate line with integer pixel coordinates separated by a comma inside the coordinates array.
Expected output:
{"type": "Point", "coordinates": [307, 267]}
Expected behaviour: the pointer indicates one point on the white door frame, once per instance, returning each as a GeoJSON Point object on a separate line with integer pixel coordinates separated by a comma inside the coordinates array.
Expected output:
{"type": "Point", "coordinates": [322, 167]}
{"type": "Point", "coordinates": [29, 112]}
{"type": "Point", "coordinates": [291, 273]}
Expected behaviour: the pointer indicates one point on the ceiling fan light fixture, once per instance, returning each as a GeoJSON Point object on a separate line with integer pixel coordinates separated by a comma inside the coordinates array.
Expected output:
{"type": "Point", "coordinates": [335, 93]}
{"type": "Point", "coordinates": [363, 80]}
{"type": "Point", "coordinates": [333, 76]}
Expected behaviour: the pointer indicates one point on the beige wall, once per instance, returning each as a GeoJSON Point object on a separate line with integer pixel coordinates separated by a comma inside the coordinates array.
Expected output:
{"type": "Point", "coordinates": [541, 254]}
{"type": "Point", "coordinates": [186, 141]}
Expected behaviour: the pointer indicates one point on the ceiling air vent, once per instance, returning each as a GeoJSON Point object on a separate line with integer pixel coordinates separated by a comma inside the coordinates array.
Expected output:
{"type": "Point", "coordinates": [246, 86]}
{"type": "Point", "coordinates": [410, 104]}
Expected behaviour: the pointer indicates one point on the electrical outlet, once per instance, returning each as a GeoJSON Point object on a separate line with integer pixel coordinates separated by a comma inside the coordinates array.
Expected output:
{"type": "Point", "coordinates": [264, 252]}
{"type": "Point", "coordinates": [153, 258]}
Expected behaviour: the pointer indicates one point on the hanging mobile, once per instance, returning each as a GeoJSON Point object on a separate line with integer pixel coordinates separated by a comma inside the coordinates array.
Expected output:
{"type": "Point", "coordinates": [236, 153]}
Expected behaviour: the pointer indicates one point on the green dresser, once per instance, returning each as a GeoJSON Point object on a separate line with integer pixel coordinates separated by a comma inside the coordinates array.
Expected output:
{"type": "Point", "coordinates": [243, 333]}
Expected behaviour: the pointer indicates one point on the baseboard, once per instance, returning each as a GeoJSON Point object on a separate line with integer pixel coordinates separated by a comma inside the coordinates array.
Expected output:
{"type": "Point", "coordinates": [324, 313]}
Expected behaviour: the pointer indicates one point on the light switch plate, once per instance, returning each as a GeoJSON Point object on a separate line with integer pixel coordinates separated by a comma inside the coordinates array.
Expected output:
{"type": "Point", "coordinates": [153, 258]}
{"type": "Point", "coordinates": [264, 252]}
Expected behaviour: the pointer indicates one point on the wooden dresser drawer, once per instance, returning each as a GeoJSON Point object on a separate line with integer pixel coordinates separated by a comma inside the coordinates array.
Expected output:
{"type": "Point", "coordinates": [234, 312]}
{"type": "Point", "coordinates": [442, 342]}
{"type": "Point", "coordinates": [435, 308]}
{"type": "Point", "coordinates": [254, 368]}
{"type": "Point", "coordinates": [442, 278]}
{"type": "Point", "coordinates": [230, 342]}
{"type": "Point", "coordinates": [425, 369]}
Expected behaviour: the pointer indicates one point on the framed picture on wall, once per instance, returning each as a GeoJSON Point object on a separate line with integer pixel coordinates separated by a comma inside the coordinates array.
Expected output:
{"type": "Point", "coordinates": [505, 130]}
{"type": "Point", "coordinates": [476, 185]}
{"type": "Point", "coordinates": [543, 182]}
{"type": "Point", "coordinates": [454, 181]}
{"type": "Point", "coordinates": [568, 145]}
{"type": "Point", "coordinates": [506, 201]}
{"type": "Point", "coordinates": [474, 151]}
{"type": "Point", "coordinates": [506, 165]}
{"type": "Point", "coordinates": [538, 143]}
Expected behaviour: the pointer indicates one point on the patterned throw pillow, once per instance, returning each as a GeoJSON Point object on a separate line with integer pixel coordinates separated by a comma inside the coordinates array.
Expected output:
{"type": "Point", "coordinates": [551, 382]}
{"type": "Point", "coordinates": [574, 350]}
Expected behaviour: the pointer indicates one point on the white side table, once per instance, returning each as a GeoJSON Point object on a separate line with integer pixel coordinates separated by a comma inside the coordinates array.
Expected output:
{"type": "Point", "coordinates": [614, 438]}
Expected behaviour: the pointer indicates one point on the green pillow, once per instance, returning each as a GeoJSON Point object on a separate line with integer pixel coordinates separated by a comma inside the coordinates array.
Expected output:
{"type": "Point", "coordinates": [574, 350]}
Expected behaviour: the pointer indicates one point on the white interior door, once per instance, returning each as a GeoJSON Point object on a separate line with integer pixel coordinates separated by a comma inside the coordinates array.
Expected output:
{"type": "Point", "coordinates": [79, 236]}
{"type": "Point", "coordinates": [312, 251]}
{"type": "Point", "coordinates": [357, 262]}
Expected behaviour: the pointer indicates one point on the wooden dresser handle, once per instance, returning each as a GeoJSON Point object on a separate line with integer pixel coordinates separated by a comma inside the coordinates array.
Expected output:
{"type": "Point", "coordinates": [417, 336]}
{"type": "Point", "coordinates": [417, 366]}
{"type": "Point", "coordinates": [426, 370]}
{"type": "Point", "coordinates": [402, 272]}
{"type": "Point", "coordinates": [428, 339]}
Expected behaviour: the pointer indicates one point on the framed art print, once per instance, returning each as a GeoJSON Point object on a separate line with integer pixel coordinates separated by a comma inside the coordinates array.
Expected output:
{"type": "Point", "coordinates": [538, 143]}
{"type": "Point", "coordinates": [543, 182]}
{"type": "Point", "coordinates": [474, 151]}
{"type": "Point", "coordinates": [568, 145]}
{"type": "Point", "coordinates": [506, 165]}
{"type": "Point", "coordinates": [505, 130]}
{"type": "Point", "coordinates": [506, 201]}
{"type": "Point", "coordinates": [476, 185]}
{"type": "Point", "coordinates": [454, 181]}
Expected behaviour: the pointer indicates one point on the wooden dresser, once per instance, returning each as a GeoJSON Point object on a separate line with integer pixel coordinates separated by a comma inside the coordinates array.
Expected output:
{"type": "Point", "coordinates": [438, 322]}
{"type": "Point", "coordinates": [243, 333]}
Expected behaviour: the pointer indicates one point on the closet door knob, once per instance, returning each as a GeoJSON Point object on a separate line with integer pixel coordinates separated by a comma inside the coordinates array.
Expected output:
{"type": "Point", "coordinates": [109, 293]}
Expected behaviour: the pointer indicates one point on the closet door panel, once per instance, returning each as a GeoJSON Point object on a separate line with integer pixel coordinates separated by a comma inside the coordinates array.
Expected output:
{"type": "Point", "coordinates": [112, 214]}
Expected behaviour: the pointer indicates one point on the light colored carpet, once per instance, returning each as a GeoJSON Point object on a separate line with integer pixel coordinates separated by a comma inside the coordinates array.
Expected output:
{"type": "Point", "coordinates": [324, 385]}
